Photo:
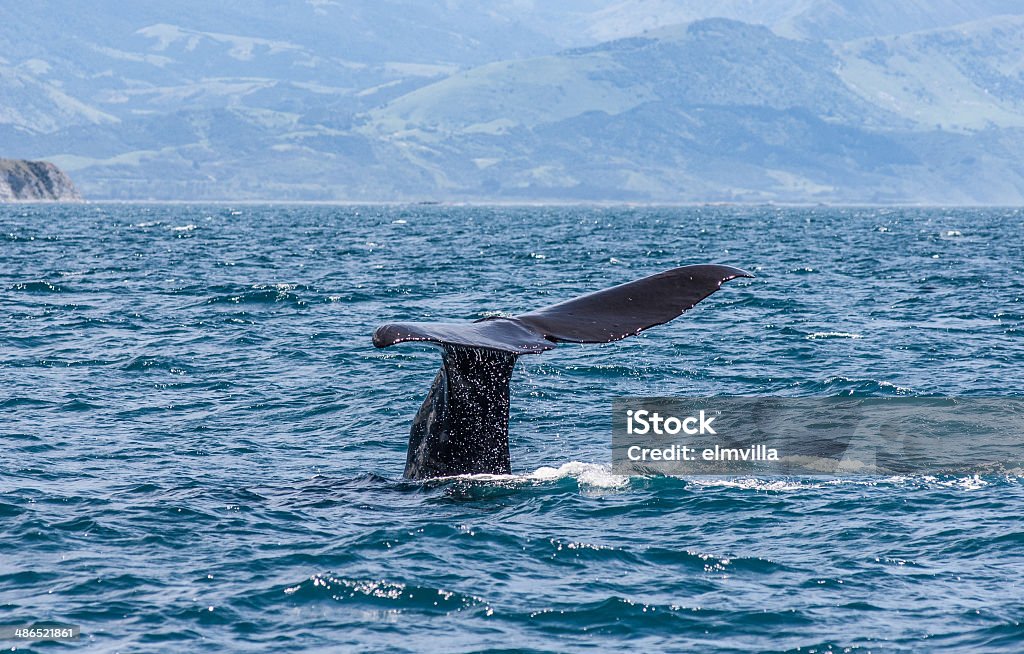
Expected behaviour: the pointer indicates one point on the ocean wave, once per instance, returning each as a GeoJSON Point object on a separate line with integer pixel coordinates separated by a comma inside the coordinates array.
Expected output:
{"type": "Point", "coordinates": [263, 294]}
{"type": "Point", "coordinates": [842, 385]}
{"type": "Point", "coordinates": [395, 596]}
{"type": "Point", "coordinates": [143, 363]}
{"type": "Point", "coordinates": [36, 287]}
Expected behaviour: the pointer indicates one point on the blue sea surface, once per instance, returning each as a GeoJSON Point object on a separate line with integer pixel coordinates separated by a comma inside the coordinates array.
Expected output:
{"type": "Point", "coordinates": [202, 451]}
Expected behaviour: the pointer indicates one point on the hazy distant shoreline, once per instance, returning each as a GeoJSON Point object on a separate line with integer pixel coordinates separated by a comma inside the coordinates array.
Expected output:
{"type": "Point", "coordinates": [525, 204]}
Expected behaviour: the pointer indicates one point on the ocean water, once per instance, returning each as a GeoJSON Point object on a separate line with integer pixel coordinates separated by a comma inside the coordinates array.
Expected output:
{"type": "Point", "coordinates": [201, 449]}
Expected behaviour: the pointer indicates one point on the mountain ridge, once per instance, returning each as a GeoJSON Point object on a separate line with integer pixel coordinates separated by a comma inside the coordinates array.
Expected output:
{"type": "Point", "coordinates": [223, 106]}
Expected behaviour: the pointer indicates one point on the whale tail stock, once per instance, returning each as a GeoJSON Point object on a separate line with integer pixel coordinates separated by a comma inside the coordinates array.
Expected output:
{"type": "Point", "coordinates": [462, 426]}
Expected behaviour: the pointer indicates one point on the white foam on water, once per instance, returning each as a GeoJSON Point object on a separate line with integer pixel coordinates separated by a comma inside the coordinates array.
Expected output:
{"type": "Point", "coordinates": [817, 335]}
{"type": "Point", "coordinates": [755, 484]}
{"type": "Point", "coordinates": [974, 482]}
{"type": "Point", "coordinates": [903, 390]}
{"type": "Point", "coordinates": [594, 475]}
{"type": "Point", "coordinates": [590, 475]}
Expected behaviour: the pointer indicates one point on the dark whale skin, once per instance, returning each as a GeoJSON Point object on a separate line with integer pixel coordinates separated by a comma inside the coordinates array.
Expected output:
{"type": "Point", "coordinates": [462, 426]}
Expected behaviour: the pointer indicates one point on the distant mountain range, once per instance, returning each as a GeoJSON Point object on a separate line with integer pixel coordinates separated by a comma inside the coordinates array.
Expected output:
{"type": "Point", "coordinates": [640, 100]}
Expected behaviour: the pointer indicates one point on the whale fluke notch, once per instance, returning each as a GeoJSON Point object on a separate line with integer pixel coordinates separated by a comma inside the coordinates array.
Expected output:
{"type": "Point", "coordinates": [505, 334]}
{"type": "Point", "coordinates": [462, 426]}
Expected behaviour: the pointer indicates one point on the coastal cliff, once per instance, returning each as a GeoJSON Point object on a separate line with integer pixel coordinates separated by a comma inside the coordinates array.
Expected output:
{"type": "Point", "coordinates": [26, 181]}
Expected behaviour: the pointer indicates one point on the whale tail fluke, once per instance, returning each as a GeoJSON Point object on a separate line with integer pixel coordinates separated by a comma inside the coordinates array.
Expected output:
{"type": "Point", "coordinates": [602, 317]}
{"type": "Point", "coordinates": [462, 426]}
